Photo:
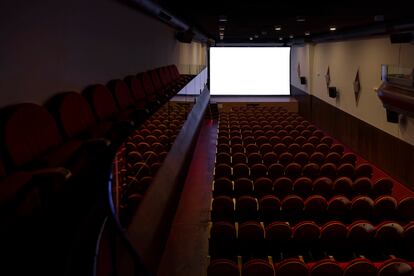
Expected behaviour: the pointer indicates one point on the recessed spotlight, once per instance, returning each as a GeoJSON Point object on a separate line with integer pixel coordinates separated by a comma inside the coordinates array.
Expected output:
{"type": "Point", "coordinates": [291, 36]}
{"type": "Point", "coordinates": [278, 28]}
{"type": "Point", "coordinates": [222, 18]}
{"type": "Point", "coordinates": [221, 33]}
{"type": "Point", "coordinates": [221, 28]}
{"type": "Point", "coordinates": [221, 37]}
{"type": "Point", "coordinates": [280, 38]}
{"type": "Point", "coordinates": [250, 38]}
{"type": "Point", "coordinates": [300, 19]}
{"type": "Point", "coordinates": [332, 28]}
{"type": "Point", "coordinates": [307, 33]}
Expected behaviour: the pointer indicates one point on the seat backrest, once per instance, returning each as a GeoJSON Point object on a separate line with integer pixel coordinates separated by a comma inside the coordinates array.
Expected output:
{"type": "Point", "coordinates": [148, 86]}
{"type": "Point", "coordinates": [136, 88]}
{"type": "Point", "coordinates": [72, 112]}
{"type": "Point", "coordinates": [29, 131]}
{"type": "Point", "coordinates": [156, 82]}
{"type": "Point", "coordinates": [121, 93]}
{"type": "Point", "coordinates": [101, 101]}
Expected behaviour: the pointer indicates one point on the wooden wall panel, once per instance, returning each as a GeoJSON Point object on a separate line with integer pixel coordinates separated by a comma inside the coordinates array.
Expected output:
{"type": "Point", "coordinates": [389, 153]}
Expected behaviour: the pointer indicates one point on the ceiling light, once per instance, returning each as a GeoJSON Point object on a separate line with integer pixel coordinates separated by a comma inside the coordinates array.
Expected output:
{"type": "Point", "coordinates": [278, 28]}
{"type": "Point", "coordinates": [221, 37]}
{"type": "Point", "coordinates": [222, 18]}
{"type": "Point", "coordinates": [221, 28]}
{"type": "Point", "coordinates": [256, 36]}
{"type": "Point", "coordinates": [300, 19]}
{"type": "Point", "coordinates": [291, 36]}
{"type": "Point", "coordinates": [307, 33]}
{"type": "Point", "coordinates": [251, 38]}
{"type": "Point", "coordinates": [221, 33]}
{"type": "Point", "coordinates": [280, 38]}
{"type": "Point", "coordinates": [332, 28]}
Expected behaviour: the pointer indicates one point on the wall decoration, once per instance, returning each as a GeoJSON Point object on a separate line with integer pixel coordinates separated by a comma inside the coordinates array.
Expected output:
{"type": "Point", "coordinates": [357, 87]}
{"type": "Point", "coordinates": [328, 78]}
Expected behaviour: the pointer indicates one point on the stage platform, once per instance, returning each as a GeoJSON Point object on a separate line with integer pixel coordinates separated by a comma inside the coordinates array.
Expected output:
{"type": "Point", "coordinates": [227, 102]}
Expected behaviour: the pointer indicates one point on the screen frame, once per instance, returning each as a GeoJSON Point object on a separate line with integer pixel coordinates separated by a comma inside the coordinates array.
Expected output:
{"type": "Point", "coordinates": [249, 45]}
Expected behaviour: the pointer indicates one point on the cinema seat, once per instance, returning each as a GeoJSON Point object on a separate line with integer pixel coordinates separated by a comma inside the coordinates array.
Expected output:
{"type": "Point", "coordinates": [223, 267]}
{"type": "Point", "coordinates": [315, 208]}
{"type": "Point", "coordinates": [325, 267]}
{"type": "Point", "coordinates": [291, 266]}
{"type": "Point", "coordinates": [334, 237]}
{"type": "Point", "coordinates": [222, 240]}
{"type": "Point", "coordinates": [405, 209]}
{"type": "Point", "coordinates": [263, 186]}
{"type": "Point", "coordinates": [361, 236]}
{"type": "Point", "coordinates": [269, 208]}
{"type": "Point", "coordinates": [382, 186]}
{"type": "Point", "coordinates": [246, 208]}
{"type": "Point", "coordinates": [360, 266]}
{"type": "Point", "coordinates": [137, 93]}
{"type": "Point", "coordinates": [125, 101]}
{"type": "Point", "coordinates": [250, 239]}
{"type": "Point", "coordinates": [395, 267]}
{"type": "Point", "coordinates": [222, 186]}
{"type": "Point", "coordinates": [258, 267]}
{"type": "Point", "coordinates": [222, 209]}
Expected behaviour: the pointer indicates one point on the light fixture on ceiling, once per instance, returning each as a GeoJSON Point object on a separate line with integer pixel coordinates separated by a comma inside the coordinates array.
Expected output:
{"type": "Point", "coordinates": [221, 33]}
{"type": "Point", "coordinates": [332, 28]}
{"type": "Point", "coordinates": [250, 38]}
{"type": "Point", "coordinates": [278, 28]}
{"type": "Point", "coordinates": [221, 28]}
{"type": "Point", "coordinates": [290, 36]}
{"type": "Point", "coordinates": [221, 37]}
{"type": "Point", "coordinates": [280, 38]}
{"type": "Point", "coordinates": [300, 19]}
{"type": "Point", "coordinates": [307, 33]}
{"type": "Point", "coordinates": [222, 18]}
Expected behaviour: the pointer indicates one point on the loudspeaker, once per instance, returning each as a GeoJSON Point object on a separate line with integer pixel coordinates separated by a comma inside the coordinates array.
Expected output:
{"type": "Point", "coordinates": [401, 38]}
{"type": "Point", "coordinates": [332, 91]}
{"type": "Point", "coordinates": [392, 116]}
{"type": "Point", "coordinates": [302, 80]}
{"type": "Point", "coordinates": [185, 37]}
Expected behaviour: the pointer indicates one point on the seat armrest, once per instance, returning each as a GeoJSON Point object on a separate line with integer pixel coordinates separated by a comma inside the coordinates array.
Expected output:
{"type": "Point", "coordinates": [58, 173]}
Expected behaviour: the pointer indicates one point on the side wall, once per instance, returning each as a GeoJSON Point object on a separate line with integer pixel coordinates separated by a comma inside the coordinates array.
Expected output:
{"type": "Point", "coordinates": [362, 125]}
{"type": "Point", "coordinates": [52, 46]}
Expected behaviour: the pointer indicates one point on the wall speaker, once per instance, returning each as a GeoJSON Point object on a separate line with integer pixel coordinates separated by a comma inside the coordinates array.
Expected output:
{"type": "Point", "coordinates": [392, 116]}
{"type": "Point", "coordinates": [185, 37]}
{"type": "Point", "coordinates": [401, 38]}
{"type": "Point", "coordinates": [332, 91]}
{"type": "Point", "coordinates": [302, 80]}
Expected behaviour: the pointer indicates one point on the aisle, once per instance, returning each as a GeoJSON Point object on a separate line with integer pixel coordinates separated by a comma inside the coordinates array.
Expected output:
{"type": "Point", "coordinates": [187, 246]}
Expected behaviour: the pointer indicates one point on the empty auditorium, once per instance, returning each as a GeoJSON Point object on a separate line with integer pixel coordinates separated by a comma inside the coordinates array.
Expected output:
{"type": "Point", "coordinates": [206, 138]}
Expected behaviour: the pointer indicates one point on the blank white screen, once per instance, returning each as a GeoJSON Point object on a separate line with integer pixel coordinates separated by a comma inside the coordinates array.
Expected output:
{"type": "Point", "coordinates": [250, 70]}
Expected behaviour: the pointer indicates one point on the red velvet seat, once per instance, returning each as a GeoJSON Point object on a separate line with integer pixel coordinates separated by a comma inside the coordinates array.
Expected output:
{"type": "Point", "coordinates": [76, 120]}
{"type": "Point", "coordinates": [405, 209]}
{"type": "Point", "coordinates": [293, 171]}
{"type": "Point", "coordinates": [302, 187]}
{"type": "Point", "coordinates": [243, 186]}
{"type": "Point", "coordinates": [360, 266]}
{"type": "Point", "coordinates": [223, 170]}
{"type": "Point", "coordinates": [250, 238]}
{"type": "Point", "coordinates": [395, 267]}
{"type": "Point", "coordinates": [315, 208]}
{"type": "Point", "coordinates": [289, 267]}
{"type": "Point", "coordinates": [292, 207]}
{"type": "Point", "coordinates": [222, 209]}
{"type": "Point", "coordinates": [323, 186]}
{"type": "Point", "coordinates": [385, 207]}
{"type": "Point", "coordinates": [362, 207]}
{"type": "Point", "coordinates": [223, 267]}
{"type": "Point", "coordinates": [269, 207]}
{"type": "Point", "coordinates": [382, 186]}
{"type": "Point", "coordinates": [343, 186]}
{"type": "Point", "coordinates": [311, 170]}
{"type": "Point", "coordinates": [258, 267]}
{"type": "Point", "coordinates": [360, 236]}
{"type": "Point", "coordinates": [362, 186]}
{"type": "Point", "coordinates": [263, 186]}
{"type": "Point", "coordinates": [223, 158]}
{"type": "Point", "coordinates": [246, 208]}
{"type": "Point", "coordinates": [339, 207]}
{"type": "Point", "coordinates": [222, 241]}
{"type": "Point", "coordinates": [325, 267]}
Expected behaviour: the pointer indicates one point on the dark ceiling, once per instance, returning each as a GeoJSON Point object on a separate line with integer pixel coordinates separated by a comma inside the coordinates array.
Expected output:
{"type": "Point", "coordinates": [255, 21]}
